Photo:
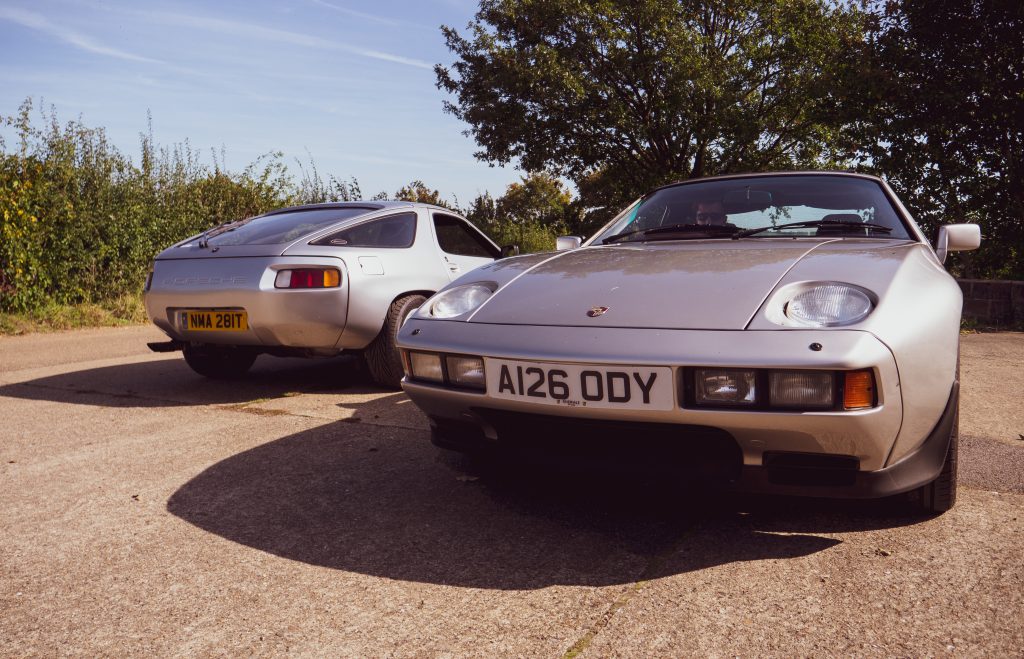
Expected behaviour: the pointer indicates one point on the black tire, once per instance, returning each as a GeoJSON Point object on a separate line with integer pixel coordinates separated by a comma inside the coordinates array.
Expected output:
{"type": "Point", "coordinates": [219, 362]}
{"type": "Point", "coordinates": [381, 356]}
{"type": "Point", "coordinates": [940, 495]}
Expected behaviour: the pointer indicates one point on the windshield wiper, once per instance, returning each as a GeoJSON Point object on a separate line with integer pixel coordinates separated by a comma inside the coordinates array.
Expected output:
{"type": "Point", "coordinates": [689, 231]}
{"type": "Point", "coordinates": [204, 238]}
{"type": "Point", "coordinates": [816, 223]}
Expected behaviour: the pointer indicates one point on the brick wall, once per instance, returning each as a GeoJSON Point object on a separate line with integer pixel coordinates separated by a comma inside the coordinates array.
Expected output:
{"type": "Point", "coordinates": [995, 303]}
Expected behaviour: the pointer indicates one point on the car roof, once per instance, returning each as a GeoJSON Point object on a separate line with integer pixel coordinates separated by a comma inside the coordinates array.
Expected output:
{"type": "Point", "coordinates": [726, 177]}
{"type": "Point", "coordinates": [370, 206]}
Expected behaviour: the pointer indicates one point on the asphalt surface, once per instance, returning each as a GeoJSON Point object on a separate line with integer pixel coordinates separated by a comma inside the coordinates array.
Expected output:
{"type": "Point", "coordinates": [147, 511]}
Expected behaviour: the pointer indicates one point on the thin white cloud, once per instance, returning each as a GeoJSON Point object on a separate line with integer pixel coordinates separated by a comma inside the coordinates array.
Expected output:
{"type": "Point", "coordinates": [39, 22]}
{"type": "Point", "coordinates": [357, 14]}
{"type": "Point", "coordinates": [260, 33]}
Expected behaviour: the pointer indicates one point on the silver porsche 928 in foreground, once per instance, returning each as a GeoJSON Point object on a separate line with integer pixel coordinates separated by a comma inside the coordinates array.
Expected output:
{"type": "Point", "coordinates": [786, 333]}
{"type": "Point", "coordinates": [308, 281]}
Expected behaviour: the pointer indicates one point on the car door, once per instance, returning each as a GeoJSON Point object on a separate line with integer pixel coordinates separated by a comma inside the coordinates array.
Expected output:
{"type": "Point", "coordinates": [462, 246]}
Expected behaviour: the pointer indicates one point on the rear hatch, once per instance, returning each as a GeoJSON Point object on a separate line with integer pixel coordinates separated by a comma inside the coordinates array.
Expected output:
{"type": "Point", "coordinates": [240, 278]}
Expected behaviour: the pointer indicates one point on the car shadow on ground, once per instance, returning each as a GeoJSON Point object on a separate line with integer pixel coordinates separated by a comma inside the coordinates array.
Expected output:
{"type": "Point", "coordinates": [170, 382]}
{"type": "Point", "coordinates": [382, 501]}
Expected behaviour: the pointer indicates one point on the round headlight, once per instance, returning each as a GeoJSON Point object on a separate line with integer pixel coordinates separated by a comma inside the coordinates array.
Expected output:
{"type": "Point", "coordinates": [829, 305]}
{"type": "Point", "coordinates": [456, 301]}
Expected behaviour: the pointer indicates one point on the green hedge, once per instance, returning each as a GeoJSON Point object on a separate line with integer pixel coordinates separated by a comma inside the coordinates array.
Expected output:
{"type": "Point", "coordinates": [81, 222]}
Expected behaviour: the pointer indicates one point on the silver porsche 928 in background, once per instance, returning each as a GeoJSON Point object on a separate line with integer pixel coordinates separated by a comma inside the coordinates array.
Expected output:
{"type": "Point", "coordinates": [308, 281]}
{"type": "Point", "coordinates": [789, 333]}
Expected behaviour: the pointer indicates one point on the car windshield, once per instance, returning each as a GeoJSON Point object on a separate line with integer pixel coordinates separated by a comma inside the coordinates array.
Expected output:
{"type": "Point", "coordinates": [280, 228]}
{"type": "Point", "coordinates": [834, 206]}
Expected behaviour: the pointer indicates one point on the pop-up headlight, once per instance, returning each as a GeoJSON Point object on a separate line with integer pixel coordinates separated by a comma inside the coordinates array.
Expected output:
{"type": "Point", "coordinates": [457, 301]}
{"type": "Point", "coordinates": [829, 305]}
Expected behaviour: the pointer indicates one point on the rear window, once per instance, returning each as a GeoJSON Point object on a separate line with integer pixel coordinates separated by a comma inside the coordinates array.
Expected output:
{"type": "Point", "coordinates": [393, 231]}
{"type": "Point", "coordinates": [284, 227]}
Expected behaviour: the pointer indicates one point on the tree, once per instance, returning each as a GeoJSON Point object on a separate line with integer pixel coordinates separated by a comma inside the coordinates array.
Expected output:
{"type": "Point", "coordinates": [624, 95]}
{"type": "Point", "coordinates": [418, 191]}
{"type": "Point", "coordinates": [944, 98]}
{"type": "Point", "coordinates": [537, 199]}
{"type": "Point", "coordinates": [483, 211]}
{"type": "Point", "coordinates": [530, 214]}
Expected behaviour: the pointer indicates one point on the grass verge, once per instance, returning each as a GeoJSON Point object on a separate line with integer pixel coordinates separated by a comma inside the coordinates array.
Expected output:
{"type": "Point", "coordinates": [125, 310]}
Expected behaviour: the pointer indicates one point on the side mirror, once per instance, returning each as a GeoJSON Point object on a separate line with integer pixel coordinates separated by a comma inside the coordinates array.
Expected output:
{"type": "Point", "coordinates": [509, 250]}
{"type": "Point", "coordinates": [957, 238]}
{"type": "Point", "coordinates": [564, 243]}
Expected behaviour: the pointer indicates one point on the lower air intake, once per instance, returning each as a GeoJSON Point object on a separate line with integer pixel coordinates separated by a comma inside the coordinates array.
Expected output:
{"type": "Point", "coordinates": [811, 469]}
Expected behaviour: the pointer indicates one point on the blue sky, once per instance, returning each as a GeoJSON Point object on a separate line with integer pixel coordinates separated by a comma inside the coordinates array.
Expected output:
{"type": "Point", "coordinates": [348, 82]}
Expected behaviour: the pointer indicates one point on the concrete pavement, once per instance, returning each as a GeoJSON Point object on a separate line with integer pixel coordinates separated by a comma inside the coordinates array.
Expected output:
{"type": "Point", "coordinates": [149, 511]}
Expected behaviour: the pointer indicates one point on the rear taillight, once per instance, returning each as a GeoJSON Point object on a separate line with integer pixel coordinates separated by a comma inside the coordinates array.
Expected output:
{"type": "Point", "coordinates": [308, 278]}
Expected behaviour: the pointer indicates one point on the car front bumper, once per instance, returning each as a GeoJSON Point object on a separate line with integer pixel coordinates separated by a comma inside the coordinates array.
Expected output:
{"type": "Point", "coordinates": [862, 438]}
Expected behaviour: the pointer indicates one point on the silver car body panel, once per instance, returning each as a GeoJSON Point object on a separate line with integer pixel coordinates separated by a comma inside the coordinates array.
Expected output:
{"type": "Point", "coordinates": [308, 318]}
{"type": "Point", "coordinates": [187, 276]}
{"type": "Point", "coordinates": [718, 303]}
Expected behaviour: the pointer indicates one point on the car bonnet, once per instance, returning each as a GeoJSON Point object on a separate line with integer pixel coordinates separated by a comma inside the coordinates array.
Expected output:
{"type": "Point", "coordinates": [693, 285]}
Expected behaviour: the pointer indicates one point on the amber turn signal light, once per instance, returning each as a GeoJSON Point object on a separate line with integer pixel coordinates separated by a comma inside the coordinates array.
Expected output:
{"type": "Point", "coordinates": [859, 390]}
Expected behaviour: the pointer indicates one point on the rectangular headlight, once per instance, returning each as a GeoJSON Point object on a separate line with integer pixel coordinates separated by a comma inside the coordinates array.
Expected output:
{"type": "Point", "coordinates": [720, 386]}
{"type": "Point", "coordinates": [466, 372]}
{"type": "Point", "coordinates": [803, 389]}
{"type": "Point", "coordinates": [426, 366]}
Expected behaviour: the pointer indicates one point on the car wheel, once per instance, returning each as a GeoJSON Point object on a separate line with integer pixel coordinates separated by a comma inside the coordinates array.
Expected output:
{"type": "Point", "coordinates": [381, 356]}
{"type": "Point", "coordinates": [940, 495]}
{"type": "Point", "coordinates": [219, 363]}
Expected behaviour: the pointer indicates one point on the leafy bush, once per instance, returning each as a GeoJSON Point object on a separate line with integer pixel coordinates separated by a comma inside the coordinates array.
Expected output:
{"type": "Point", "coordinates": [81, 221]}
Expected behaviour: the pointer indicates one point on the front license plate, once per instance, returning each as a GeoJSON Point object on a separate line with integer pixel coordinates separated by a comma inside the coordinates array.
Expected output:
{"type": "Point", "coordinates": [581, 385]}
{"type": "Point", "coordinates": [214, 321]}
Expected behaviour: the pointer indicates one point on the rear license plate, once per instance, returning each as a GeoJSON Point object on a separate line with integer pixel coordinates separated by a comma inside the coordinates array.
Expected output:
{"type": "Point", "coordinates": [214, 321]}
{"type": "Point", "coordinates": [581, 385]}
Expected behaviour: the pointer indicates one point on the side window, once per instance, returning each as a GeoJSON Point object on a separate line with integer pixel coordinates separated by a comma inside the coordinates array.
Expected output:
{"type": "Point", "coordinates": [456, 237]}
{"type": "Point", "coordinates": [394, 231]}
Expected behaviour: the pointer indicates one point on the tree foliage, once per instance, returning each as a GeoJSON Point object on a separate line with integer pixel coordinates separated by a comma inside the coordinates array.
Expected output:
{"type": "Point", "coordinates": [942, 117]}
{"type": "Point", "coordinates": [537, 199]}
{"type": "Point", "coordinates": [531, 213]}
{"type": "Point", "coordinates": [419, 192]}
{"type": "Point", "coordinates": [80, 222]}
{"type": "Point", "coordinates": [620, 96]}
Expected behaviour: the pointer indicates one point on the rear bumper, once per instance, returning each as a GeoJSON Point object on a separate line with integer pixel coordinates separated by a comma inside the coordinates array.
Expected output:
{"type": "Point", "coordinates": [300, 318]}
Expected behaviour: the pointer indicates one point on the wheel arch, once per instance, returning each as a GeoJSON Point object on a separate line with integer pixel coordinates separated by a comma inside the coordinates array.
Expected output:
{"type": "Point", "coordinates": [368, 314]}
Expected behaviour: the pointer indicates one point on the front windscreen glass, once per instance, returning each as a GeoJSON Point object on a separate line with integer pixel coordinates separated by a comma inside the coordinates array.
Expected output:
{"type": "Point", "coordinates": [281, 228]}
{"type": "Point", "coordinates": [833, 206]}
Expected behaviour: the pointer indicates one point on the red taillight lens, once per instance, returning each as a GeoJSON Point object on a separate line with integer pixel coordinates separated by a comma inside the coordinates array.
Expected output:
{"type": "Point", "coordinates": [308, 278]}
